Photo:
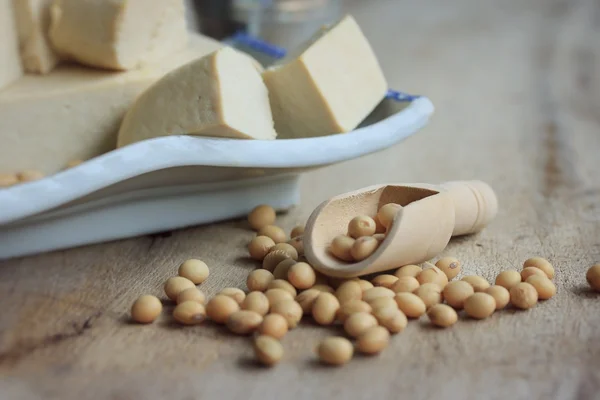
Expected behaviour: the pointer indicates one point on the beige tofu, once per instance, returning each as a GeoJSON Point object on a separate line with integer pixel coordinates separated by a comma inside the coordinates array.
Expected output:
{"type": "Point", "coordinates": [220, 95]}
{"type": "Point", "coordinates": [10, 61]}
{"type": "Point", "coordinates": [118, 34]}
{"type": "Point", "coordinates": [33, 24]}
{"type": "Point", "coordinates": [74, 112]}
{"type": "Point", "coordinates": [327, 86]}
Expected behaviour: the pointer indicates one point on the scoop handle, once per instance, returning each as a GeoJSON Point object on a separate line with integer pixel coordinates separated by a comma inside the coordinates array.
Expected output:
{"type": "Point", "coordinates": [475, 205]}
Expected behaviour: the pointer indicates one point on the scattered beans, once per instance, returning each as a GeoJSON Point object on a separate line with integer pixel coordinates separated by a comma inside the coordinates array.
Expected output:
{"type": "Point", "coordinates": [523, 295]}
{"type": "Point", "coordinates": [261, 216]}
{"type": "Point", "coordinates": [348, 291]}
{"type": "Point", "coordinates": [189, 313]}
{"type": "Point", "coordinates": [274, 325]}
{"type": "Point", "coordinates": [373, 341]}
{"type": "Point", "coordinates": [191, 294]}
{"type": "Point", "coordinates": [272, 259]}
{"type": "Point", "coordinates": [364, 285]}
{"type": "Point", "coordinates": [260, 246]}
{"type": "Point", "coordinates": [350, 307]}
{"type": "Point", "coordinates": [274, 232]}
{"type": "Point", "coordinates": [508, 278]}
{"type": "Point", "coordinates": [544, 286]}
{"type": "Point", "coordinates": [358, 323]}
{"type": "Point", "coordinates": [455, 293]}
{"type": "Point", "coordinates": [283, 284]}
{"type": "Point", "coordinates": [479, 283]}
{"type": "Point", "coordinates": [325, 308]}
{"type": "Point", "coordinates": [244, 322]}
{"type": "Point", "coordinates": [529, 271]}
{"type": "Point", "coordinates": [267, 350]}
{"type": "Point", "coordinates": [175, 285]}
{"type": "Point", "coordinates": [220, 307]}
{"type": "Point", "coordinates": [433, 275]}
{"type": "Point", "coordinates": [408, 270]}
{"type": "Point", "coordinates": [592, 277]}
{"type": "Point", "coordinates": [363, 247]}
{"type": "Point", "coordinates": [298, 244]}
{"type": "Point", "coordinates": [307, 298]}
{"type": "Point", "coordinates": [341, 247]}
{"type": "Point", "coordinates": [406, 284]}
{"type": "Point", "coordinates": [335, 350]}
{"type": "Point", "coordinates": [258, 280]}
{"type": "Point", "coordinates": [391, 318]}
{"type": "Point", "coordinates": [430, 293]}
{"type": "Point", "coordinates": [449, 266]}
{"type": "Point", "coordinates": [297, 231]}
{"type": "Point", "coordinates": [194, 270]}
{"type": "Point", "coordinates": [30, 175]}
{"type": "Point", "coordinates": [361, 225]}
{"type": "Point", "coordinates": [442, 315]}
{"type": "Point", "coordinates": [276, 295]}
{"type": "Point", "coordinates": [410, 304]}
{"type": "Point", "coordinates": [480, 305]}
{"type": "Point", "coordinates": [387, 213]}
{"type": "Point", "coordinates": [237, 294]}
{"type": "Point", "coordinates": [301, 275]}
{"type": "Point", "coordinates": [288, 248]}
{"type": "Point", "coordinates": [282, 269]}
{"type": "Point", "coordinates": [500, 295]}
{"type": "Point", "coordinates": [257, 302]}
{"type": "Point", "coordinates": [146, 309]}
{"type": "Point", "coordinates": [290, 310]}
{"type": "Point", "coordinates": [373, 293]}
{"type": "Point", "coordinates": [542, 264]}
{"type": "Point", "coordinates": [384, 280]}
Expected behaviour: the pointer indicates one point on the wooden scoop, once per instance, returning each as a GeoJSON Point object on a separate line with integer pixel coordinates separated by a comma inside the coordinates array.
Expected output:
{"type": "Point", "coordinates": [429, 217]}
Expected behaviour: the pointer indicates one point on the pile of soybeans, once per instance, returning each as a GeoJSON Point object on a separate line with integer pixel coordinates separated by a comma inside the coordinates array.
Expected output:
{"type": "Point", "coordinates": [286, 287]}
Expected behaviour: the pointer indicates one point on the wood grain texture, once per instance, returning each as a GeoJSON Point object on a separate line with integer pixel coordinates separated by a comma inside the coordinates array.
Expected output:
{"type": "Point", "coordinates": [516, 84]}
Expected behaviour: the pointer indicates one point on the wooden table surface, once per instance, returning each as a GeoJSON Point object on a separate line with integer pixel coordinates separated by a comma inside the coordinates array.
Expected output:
{"type": "Point", "coordinates": [516, 84]}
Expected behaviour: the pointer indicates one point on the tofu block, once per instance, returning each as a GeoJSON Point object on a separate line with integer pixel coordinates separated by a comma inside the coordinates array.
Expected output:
{"type": "Point", "coordinates": [328, 85]}
{"type": "Point", "coordinates": [118, 34]}
{"type": "Point", "coordinates": [33, 24]}
{"type": "Point", "coordinates": [74, 113]}
{"type": "Point", "coordinates": [10, 61]}
{"type": "Point", "coordinates": [220, 95]}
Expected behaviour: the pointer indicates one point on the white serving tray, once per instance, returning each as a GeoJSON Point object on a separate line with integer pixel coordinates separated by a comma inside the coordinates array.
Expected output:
{"type": "Point", "coordinates": [178, 181]}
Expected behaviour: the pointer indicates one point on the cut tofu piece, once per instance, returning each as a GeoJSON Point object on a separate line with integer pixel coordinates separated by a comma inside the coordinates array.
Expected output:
{"type": "Point", "coordinates": [10, 61]}
{"type": "Point", "coordinates": [33, 23]}
{"type": "Point", "coordinates": [220, 95]}
{"type": "Point", "coordinates": [74, 113]}
{"type": "Point", "coordinates": [118, 34]}
{"type": "Point", "coordinates": [328, 85]}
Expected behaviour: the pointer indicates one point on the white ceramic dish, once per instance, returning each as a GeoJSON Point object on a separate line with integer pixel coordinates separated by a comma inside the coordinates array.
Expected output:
{"type": "Point", "coordinates": [178, 181]}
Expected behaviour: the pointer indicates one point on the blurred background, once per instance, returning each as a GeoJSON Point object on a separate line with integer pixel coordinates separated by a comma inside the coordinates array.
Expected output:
{"type": "Point", "coordinates": [285, 23]}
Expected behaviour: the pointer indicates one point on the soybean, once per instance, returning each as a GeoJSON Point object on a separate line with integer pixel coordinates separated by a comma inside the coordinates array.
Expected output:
{"type": "Point", "coordinates": [373, 341]}
{"type": "Point", "coordinates": [455, 293]}
{"type": "Point", "coordinates": [261, 216]}
{"type": "Point", "coordinates": [479, 283]}
{"type": "Point", "coordinates": [449, 266]}
{"type": "Point", "coordinates": [442, 315]}
{"type": "Point", "coordinates": [267, 350]}
{"type": "Point", "coordinates": [274, 325]}
{"type": "Point", "coordinates": [410, 304]}
{"type": "Point", "coordinates": [391, 318]}
{"type": "Point", "coordinates": [406, 284]}
{"type": "Point", "coordinates": [325, 308]}
{"type": "Point", "coordinates": [341, 247]}
{"type": "Point", "coordinates": [146, 309]}
{"type": "Point", "coordinates": [175, 285]}
{"type": "Point", "coordinates": [260, 246]}
{"type": "Point", "coordinates": [244, 322]}
{"type": "Point", "coordinates": [384, 280]}
{"type": "Point", "coordinates": [500, 295]}
{"type": "Point", "coordinates": [335, 350]}
{"type": "Point", "coordinates": [297, 231]}
{"type": "Point", "coordinates": [408, 270]}
{"type": "Point", "coordinates": [363, 247]}
{"type": "Point", "coordinates": [191, 294]}
{"type": "Point", "coordinates": [430, 293]}
{"type": "Point", "coordinates": [387, 213]}
{"type": "Point", "coordinates": [480, 305]}
{"type": "Point", "coordinates": [433, 275]}
{"type": "Point", "coordinates": [508, 278]}
{"type": "Point", "coordinates": [259, 279]}
{"type": "Point", "coordinates": [361, 225]}
{"type": "Point", "coordinates": [274, 232]}
{"type": "Point", "coordinates": [301, 275]}
{"type": "Point", "coordinates": [220, 307]}
{"type": "Point", "coordinates": [194, 270]}
{"type": "Point", "coordinates": [257, 302]}
{"type": "Point", "coordinates": [523, 295]}
{"type": "Point", "coordinates": [530, 271]}
{"type": "Point", "coordinates": [290, 310]}
{"type": "Point", "coordinates": [351, 307]}
{"type": "Point", "coordinates": [592, 276]}
{"type": "Point", "coordinates": [189, 313]}
{"type": "Point", "coordinates": [306, 299]}
{"type": "Point", "coordinates": [544, 286]}
{"type": "Point", "coordinates": [348, 291]}
{"type": "Point", "coordinates": [357, 323]}
{"type": "Point", "coordinates": [237, 294]}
